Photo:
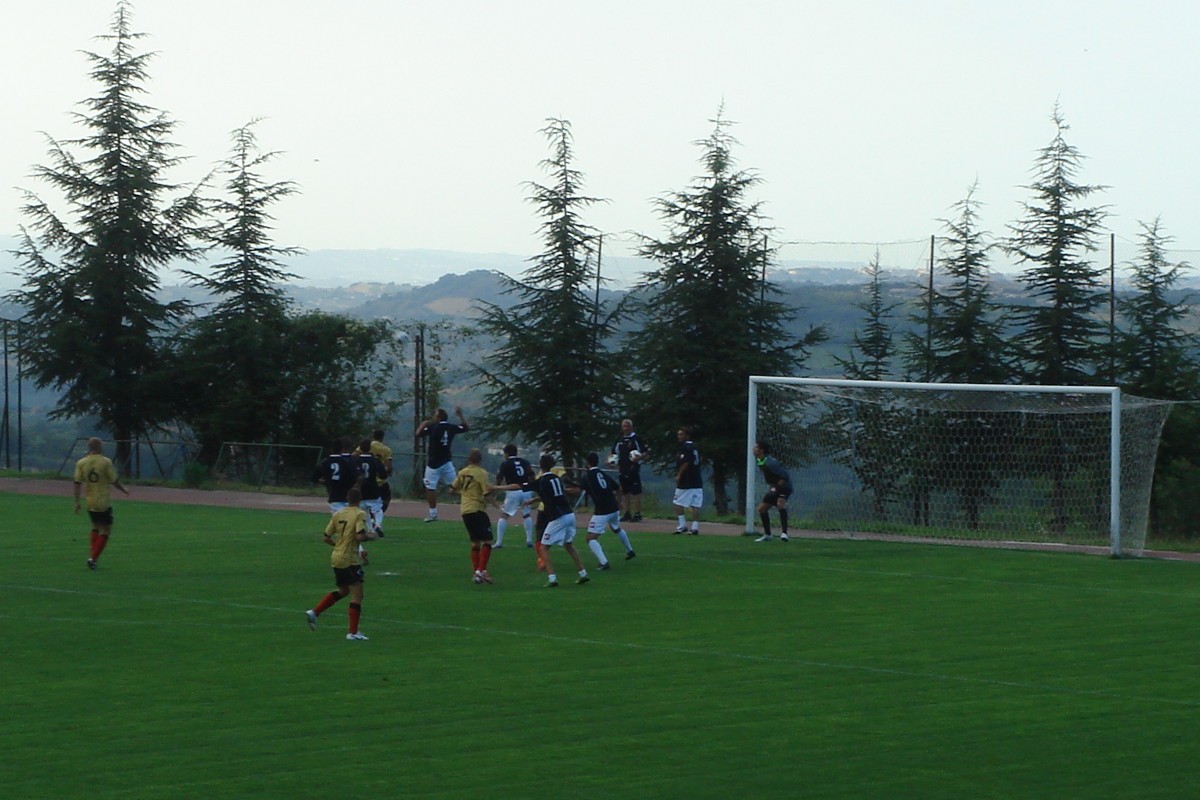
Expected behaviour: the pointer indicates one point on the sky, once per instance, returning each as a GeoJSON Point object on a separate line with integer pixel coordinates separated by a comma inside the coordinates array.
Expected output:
{"type": "Point", "coordinates": [415, 125]}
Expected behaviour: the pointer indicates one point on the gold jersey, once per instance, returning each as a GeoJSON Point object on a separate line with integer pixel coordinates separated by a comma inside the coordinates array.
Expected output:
{"type": "Point", "coordinates": [97, 473]}
{"type": "Point", "coordinates": [344, 528]}
{"type": "Point", "coordinates": [471, 484]}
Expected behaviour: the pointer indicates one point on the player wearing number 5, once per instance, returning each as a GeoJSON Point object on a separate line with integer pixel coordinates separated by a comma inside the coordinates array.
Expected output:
{"type": "Point", "coordinates": [345, 531]}
{"type": "Point", "coordinates": [98, 474]}
{"type": "Point", "coordinates": [439, 469]}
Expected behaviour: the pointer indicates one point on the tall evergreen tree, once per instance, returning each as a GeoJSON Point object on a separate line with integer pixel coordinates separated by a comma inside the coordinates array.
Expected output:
{"type": "Point", "coordinates": [91, 275]}
{"type": "Point", "coordinates": [239, 345]}
{"type": "Point", "coordinates": [966, 339]}
{"type": "Point", "coordinates": [1059, 336]}
{"type": "Point", "coordinates": [709, 320]}
{"type": "Point", "coordinates": [550, 377]}
{"type": "Point", "coordinates": [870, 357]}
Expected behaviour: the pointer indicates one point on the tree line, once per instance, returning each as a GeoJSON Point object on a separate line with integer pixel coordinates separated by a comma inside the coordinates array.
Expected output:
{"type": "Point", "coordinates": [562, 366]}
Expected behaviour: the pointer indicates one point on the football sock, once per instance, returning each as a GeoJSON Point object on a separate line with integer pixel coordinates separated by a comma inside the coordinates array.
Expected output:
{"type": "Point", "coordinates": [326, 602]}
{"type": "Point", "coordinates": [783, 520]}
{"type": "Point", "coordinates": [485, 555]}
{"type": "Point", "coordinates": [695, 524]}
{"type": "Point", "coordinates": [528, 529]}
{"type": "Point", "coordinates": [766, 522]}
{"type": "Point", "coordinates": [355, 613]}
{"type": "Point", "coordinates": [682, 521]}
{"type": "Point", "coordinates": [475, 556]}
{"type": "Point", "coordinates": [594, 546]}
{"type": "Point", "coordinates": [552, 578]}
{"type": "Point", "coordinates": [624, 537]}
{"type": "Point", "coordinates": [501, 526]}
{"type": "Point", "coordinates": [101, 543]}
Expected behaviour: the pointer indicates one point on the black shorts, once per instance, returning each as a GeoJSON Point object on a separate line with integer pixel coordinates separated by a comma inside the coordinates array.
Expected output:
{"type": "Point", "coordinates": [774, 494]}
{"type": "Point", "coordinates": [102, 518]}
{"type": "Point", "coordinates": [631, 482]}
{"type": "Point", "coordinates": [347, 576]}
{"type": "Point", "coordinates": [479, 526]}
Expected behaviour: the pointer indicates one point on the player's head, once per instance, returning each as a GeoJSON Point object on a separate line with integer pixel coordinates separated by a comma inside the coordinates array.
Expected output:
{"type": "Point", "coordinates": [440, 415]}
{"type": "Point", "coordinates": [341, 444]}
{"type": "Point", "coordinates": [593, 460]}
{"type": "Point", "coordinates": [364, 447]}
{"type": "Point", "coordinates": [626, 426]}
{"type": "Point", "coordinates": [546, 462]}
{"type": "Point", "coordinates": [94, 445]}
{"type": "Point", "coordinates": [762, 448]}
{"type": "Point", "coordinates": [510, 449]}
{"type": "Point", "coordinates": [683, 434]}
{"type": "Point", "coordinates": [377, 434]}
{"type": "Point", "coordinates": [475, 456]}
{"type": "Point", "coordinates": [353, 496]}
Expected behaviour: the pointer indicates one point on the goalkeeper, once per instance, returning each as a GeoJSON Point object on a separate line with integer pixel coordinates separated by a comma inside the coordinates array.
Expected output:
{"type": "Point", "coordinates": [779, 489]}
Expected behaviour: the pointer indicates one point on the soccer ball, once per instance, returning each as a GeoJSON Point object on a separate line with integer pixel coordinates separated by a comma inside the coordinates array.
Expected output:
{"type": "Point", "coordinates": [635, 455]}
{"type": "Point", "coordinates": [612, 459]}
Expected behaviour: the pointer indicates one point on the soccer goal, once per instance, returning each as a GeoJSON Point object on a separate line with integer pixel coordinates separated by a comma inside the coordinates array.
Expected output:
{"type": "Point", "coordinates": [263, 464]}
{"type": "Point", "coordinates": [1005, 465]}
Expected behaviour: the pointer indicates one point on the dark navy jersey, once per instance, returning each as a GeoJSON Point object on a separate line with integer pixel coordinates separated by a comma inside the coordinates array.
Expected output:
{"type": "Point", "coordinates": [372, 471]}
{"type": "Point", "coordinates": [688, 460]}
{"type": "Point", "coordinates": [601, 487]}
{"type": "Point", "coordinates": [515, 469]}
{"type": "Point", "coordinates": [338, 472]}
{"type": "Point", "coordinates": [552, 490]}
{"type": "Point", "coordinates": [774, 473]}
{"type": "Point", "coordinates": [624, 446]}
{"type": "Point", "coordinates": [441, 436]}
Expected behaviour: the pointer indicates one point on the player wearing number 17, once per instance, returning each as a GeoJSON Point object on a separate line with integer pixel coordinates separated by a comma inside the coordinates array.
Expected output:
{"type": "Point", "coordinates": [472, 486]}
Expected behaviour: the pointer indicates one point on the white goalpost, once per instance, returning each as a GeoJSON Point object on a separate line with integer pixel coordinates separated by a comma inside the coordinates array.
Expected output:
{"type": "Point", "coordinates": [997, 464]}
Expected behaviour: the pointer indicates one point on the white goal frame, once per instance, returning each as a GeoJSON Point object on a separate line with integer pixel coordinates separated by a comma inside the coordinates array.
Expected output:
{"type": "Point", "coordinates": [1112, 392]}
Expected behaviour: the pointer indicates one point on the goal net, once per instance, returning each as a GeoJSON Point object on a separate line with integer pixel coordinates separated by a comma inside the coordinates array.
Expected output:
{"type": "Point", "coordinates": [961, 462]}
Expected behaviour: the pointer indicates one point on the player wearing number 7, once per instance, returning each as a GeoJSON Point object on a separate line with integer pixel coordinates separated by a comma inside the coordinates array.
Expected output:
{"type": "Point", "coordinates": [345, 531]}
{"type": "Point", "coordinates": [472, 486]}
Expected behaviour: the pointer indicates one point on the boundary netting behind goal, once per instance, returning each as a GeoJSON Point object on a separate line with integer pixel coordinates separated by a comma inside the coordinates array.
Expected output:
{"type": "Point", "coordinates": [990, 464]}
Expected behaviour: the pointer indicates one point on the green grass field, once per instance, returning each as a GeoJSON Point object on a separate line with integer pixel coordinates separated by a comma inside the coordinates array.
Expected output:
{"type": "Point", "coordinates": [707, 667]}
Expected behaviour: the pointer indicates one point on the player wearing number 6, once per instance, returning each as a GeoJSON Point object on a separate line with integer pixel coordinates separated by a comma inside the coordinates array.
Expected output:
{"type": "Point", "coordinates": [602, 488]}
{"type": "Point", "coordinates": [97, 473]}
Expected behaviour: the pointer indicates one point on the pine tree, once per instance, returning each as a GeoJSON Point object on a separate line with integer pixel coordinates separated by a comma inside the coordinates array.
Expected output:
{"type": "Point", "coordinates": [709, 320]}
{"type": "Point", "coordinates": [240, 344]}
{"type": "Point", "coordinates": [870, 358]}
{"type": "Point", "coordinates": [1058, 338]}
{"type": "Point", "coordinates": [550, 377]}
{"type": "Point", "coordinates": [91, 275]}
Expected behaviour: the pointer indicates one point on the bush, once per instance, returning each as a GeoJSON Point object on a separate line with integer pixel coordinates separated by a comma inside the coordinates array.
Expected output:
{"type": "Point", "coordinates": [194, 474]}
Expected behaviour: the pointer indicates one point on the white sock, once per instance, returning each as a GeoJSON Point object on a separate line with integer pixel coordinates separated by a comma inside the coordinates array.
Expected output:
{"type": "Point", "coordinates": [528, 529]}
{"type": "Point", "coordinates": [682, 521]}
{"type": "Point", "coordinates": [433, 513]}
{"type": "Point", "coordinates": [594, 546]}
{"type": "Point", "coordinates": [552, 578]}
{"type": "Point", "coordinates": [695, 524]}
{"type": "Point", "coordinates": [583, 573]}
{"type": "Point", "coordinates": [500, 526]}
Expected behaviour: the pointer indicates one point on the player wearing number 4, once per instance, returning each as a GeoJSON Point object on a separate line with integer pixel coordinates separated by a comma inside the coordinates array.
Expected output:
{"type": "Point", "coordinates": [689, 485]}
{"type": "Point", "coordinates": [439, 469]}
{"type": "Point", "coordinates": [779, 489]}
{"type": "Point", "coordinates": [601, 487]}
{"type": "Point", "coordinates": [472, 486]}
{"type": "Point", "coordinates": [345, 531]}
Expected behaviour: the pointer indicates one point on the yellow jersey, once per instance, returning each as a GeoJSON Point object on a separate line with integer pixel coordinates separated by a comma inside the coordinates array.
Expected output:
{"type": "Point", "coordinates": [384, 454]}
{"type": "Point", "coordinates": [471, 484]}
{"type": "Point", "coordinates": [344, 528]}
{"type": "Point", "coordinates": [98, 474]}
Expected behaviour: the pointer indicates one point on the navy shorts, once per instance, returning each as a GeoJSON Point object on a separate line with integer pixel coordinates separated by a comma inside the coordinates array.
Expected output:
{"type": "Point", "coordinates": [631, 482]}
{"type": "Point", "coordinates": [479, 526]}
{"type": "Point", "coordinates": [774, 494]}
{"type": "Point", "coordinates": [102, 518]}
{"type": "Point", "coordinates": [347, 576]}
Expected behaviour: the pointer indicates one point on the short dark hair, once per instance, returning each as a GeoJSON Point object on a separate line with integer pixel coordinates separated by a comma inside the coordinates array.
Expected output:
{"type": "Point", "coordinates": [510, 449]}
{"type": "Point", "coordinates": [353, 496]}
{"type": "Point", "coordinates": [547, 461]}
{"type": "Point", "coordinates": [364, 447]}
{"type": "Point", "coordinates": [475, 456]}
{"type": "Point", "coordinates": [441, 414]}
{"type": "Point", "coordinates": [592, 459]}
{"type": "Point", "coordinates": [377, 434]}
{"type": "Point", "coordinates": [764, 446]}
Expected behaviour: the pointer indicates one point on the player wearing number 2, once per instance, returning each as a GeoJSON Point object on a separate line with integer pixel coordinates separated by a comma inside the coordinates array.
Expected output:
{"type": "Point", "coordinates": [439, 469]}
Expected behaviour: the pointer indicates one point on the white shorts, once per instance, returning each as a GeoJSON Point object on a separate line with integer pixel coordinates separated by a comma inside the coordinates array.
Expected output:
{"type": "Point", "coordinates": [445, 473]}
{"type": "Point", "coordinates": [513, 500]}
{"type": "Point", "coordinates": [336, 507]}
{"type": "Point", "coordinates": [599, 522]}
{"type": "Point", "coordinates": [560, 531]}
{"type": "Point", "coordinates": [689, 498]}
{"type": "Point", "coordinates": [374, 509]}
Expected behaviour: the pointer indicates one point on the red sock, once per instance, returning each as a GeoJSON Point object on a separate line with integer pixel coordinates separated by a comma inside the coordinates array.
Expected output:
{"type": "Point", "coordinates": [355, 613]}
{"type": "Point", "coordinates": [485, 555]}
{"type": "Point", "coordinates": [92, 541]}
{"type": "Point", "coordinates": [326, 602]}
{"type": "Point", "coordinates": [475, 556]}
{"type": "Point", "coordinates": [99, 545]}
